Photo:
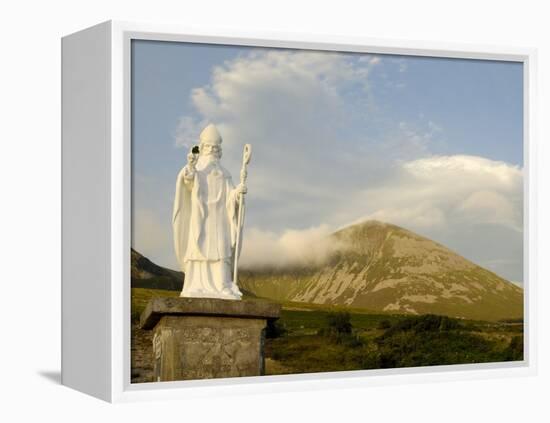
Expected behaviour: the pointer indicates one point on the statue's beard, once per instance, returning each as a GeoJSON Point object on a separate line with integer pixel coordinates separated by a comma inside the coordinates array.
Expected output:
{"type": "Point", "coordinates": [211, 157]}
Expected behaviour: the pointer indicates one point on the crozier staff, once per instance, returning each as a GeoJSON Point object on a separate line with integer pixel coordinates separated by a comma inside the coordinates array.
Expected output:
{"type": "Point", "coordinates": [246, 159]}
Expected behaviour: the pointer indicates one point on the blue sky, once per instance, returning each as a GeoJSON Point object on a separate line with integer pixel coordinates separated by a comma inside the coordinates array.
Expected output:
{"type": "Point", "coordinates": [431, 144]}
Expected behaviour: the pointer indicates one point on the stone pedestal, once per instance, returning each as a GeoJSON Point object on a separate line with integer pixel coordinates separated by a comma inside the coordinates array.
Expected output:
{"type": "Point", "coordinates": [204, 338]}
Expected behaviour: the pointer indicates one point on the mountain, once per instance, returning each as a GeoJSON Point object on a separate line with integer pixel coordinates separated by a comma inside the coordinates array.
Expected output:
{"type": "Point", "coordinates": [382, 267]}
{"type": "Point", "coordinates": [146, 274]}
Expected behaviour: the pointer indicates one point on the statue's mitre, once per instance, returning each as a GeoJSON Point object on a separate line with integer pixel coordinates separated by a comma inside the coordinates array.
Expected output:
{"type": "Point", "coordinates": [210, 135]}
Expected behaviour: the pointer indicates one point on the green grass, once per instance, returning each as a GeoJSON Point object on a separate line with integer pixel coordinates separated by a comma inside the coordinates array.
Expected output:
{"type": "Point", "coordinates": [400, 341]}
{"type": "Point", "coordinates": [141, 296]}
{"type": "Point", "coordinates": [301, 322]}
{"type": "Point", "coordinates": [377, 340]}
{"type": "Point", "coordinates": [312, 353]}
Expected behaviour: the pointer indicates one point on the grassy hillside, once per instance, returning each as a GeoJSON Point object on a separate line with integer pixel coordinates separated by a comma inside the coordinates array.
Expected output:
{"type": "Point", "coordinates": [308, 342]}
{"type": "Point", "coordinates": [141, 296]}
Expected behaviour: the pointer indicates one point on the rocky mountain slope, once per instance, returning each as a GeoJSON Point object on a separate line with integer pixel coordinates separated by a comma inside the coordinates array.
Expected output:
{"type": "Point", "coordinates": [382, 267]}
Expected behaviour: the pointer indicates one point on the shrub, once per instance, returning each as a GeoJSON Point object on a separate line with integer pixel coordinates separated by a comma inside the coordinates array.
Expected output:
{"type": "Point", "coordinates": [340, 331]}
{"type": "Point", "coordinates": [384, 324]}
{"type": "Point", "coordinates": [339, 323]}
{"type": "Point", "coordinates": [275, 329]}
{"type": "Point", "coordinates": [514, 351]}
{"type": "Point", "coordinates": [433, 340]}
{"type": "Point", "coordinates": [350, 340]}
{"type": "Point", "coordinates": [424, 323]}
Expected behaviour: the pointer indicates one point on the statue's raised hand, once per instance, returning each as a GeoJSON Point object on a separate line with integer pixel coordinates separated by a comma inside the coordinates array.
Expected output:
{"type": "Point", "coordinates": [191, 159]}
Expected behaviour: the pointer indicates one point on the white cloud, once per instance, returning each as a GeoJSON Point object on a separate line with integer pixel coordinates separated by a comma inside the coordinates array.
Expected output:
{"type": "Point", "coordinates": [279, 95]}
{"type": "Point", "coordinates": [414, 216]}
{"type": "Point", "coordinates": [485, 206]}
{"type": "Point", "coordinates": [187, 131]}
{"type": "Point", "coordinates": [450, 191]}
{"type": "Point", "coordinates": [292, 248]}
{"type": "Point", "coordinates": [375, 60]}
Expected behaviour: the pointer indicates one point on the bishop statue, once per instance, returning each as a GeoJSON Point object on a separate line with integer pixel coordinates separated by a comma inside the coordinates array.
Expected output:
{"type": "Point", "coordinates": [207, 220]}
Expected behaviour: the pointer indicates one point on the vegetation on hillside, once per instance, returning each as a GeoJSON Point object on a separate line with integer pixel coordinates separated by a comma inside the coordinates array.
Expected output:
{"type": "Point", "coordinates": [425, 340]}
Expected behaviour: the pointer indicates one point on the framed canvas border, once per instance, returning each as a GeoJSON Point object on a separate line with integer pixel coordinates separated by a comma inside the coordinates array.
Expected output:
{"type": "Point", "coordinates": [122, 33]}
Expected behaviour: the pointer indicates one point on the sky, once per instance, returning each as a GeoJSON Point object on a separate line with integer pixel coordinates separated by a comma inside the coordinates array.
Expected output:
{"type": "Point", "coordinates": [433, 145]}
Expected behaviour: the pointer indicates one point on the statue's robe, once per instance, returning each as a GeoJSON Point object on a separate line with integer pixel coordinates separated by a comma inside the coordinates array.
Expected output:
{"type": "Point", "coordinates": [205, 229]}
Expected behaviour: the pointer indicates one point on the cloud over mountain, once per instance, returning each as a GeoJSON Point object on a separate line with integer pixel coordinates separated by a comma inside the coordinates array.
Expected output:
{"type": "Point", "coordinates": [451, 190]}
{"type": "Point", "coordinates": [450, 198]}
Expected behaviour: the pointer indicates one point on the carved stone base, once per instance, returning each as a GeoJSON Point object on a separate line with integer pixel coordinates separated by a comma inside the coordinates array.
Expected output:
{"type": "Point", "coordinates": [204, 338]}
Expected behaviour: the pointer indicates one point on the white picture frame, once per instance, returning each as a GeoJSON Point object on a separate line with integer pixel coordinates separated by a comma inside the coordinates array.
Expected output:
{"type": "Point", "coordinates": [97, 215]}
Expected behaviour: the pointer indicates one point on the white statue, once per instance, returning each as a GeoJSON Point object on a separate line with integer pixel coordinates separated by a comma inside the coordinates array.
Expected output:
{"type": "Point", "coordinates": [207, 220]}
